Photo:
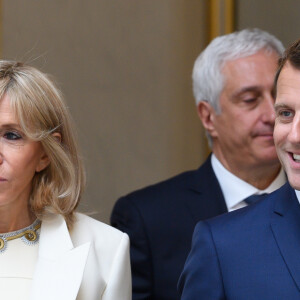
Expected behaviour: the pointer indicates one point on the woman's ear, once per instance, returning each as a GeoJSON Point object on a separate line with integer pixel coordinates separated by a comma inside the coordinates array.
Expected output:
{"type": "Point", "coordinates": [43, 162]}
{"type": "Point", "coordinates": [207, 115]}
{"type": "Point", "coordinates": [57, 136]}
{"type": "Point", "coordinates": [44, 159]}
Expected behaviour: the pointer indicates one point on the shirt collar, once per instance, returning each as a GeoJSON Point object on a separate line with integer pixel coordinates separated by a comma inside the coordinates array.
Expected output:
{"type": "Point", "coordinates": [235, 189]}
{"type": "Point", "coordinates": [298, 195]}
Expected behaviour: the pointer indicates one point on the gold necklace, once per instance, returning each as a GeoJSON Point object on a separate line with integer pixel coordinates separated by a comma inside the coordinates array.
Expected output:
{"type": "Point", "coordinates": [28, 235]}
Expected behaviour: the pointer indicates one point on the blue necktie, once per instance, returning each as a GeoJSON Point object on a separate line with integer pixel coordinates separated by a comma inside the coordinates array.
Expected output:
{"type": "Point", "coordinates": [253, 198]}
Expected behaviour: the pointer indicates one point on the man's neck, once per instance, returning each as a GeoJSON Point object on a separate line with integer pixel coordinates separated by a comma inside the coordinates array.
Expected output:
{"type": "Point", "coordinates": [259, 176]}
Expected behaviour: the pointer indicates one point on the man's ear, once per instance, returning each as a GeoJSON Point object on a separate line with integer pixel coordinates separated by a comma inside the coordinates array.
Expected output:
{"type": "Point", "coordinates": [207, 116]}
{"type": "Point", "coordinates": [44, 159]}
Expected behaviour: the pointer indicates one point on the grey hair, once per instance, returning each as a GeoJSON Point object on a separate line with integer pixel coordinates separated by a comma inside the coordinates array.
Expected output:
{"type": "Point", "coordinates": [208, 80]}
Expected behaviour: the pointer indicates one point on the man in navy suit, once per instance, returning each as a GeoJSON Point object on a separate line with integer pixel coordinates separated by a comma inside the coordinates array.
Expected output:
{"type": "Point", "coordinates": [253, 253]}
{"type": "Point", "coordinates": [233, 87]}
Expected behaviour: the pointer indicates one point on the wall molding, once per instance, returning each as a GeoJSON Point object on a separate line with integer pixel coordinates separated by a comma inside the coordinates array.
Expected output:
{"type": "Point", "coordinates": [221, 17]}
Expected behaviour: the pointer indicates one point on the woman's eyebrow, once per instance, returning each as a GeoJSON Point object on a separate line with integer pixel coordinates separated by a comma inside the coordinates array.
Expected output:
{"type": "Point", "coordinates": [10, 125]}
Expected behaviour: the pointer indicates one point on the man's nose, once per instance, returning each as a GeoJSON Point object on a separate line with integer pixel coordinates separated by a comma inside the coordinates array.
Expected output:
{"type": "Point", "coordinates": [268, 111]}
{"type": "Point", "coordinates": [1, 150]}
{"type": "Point", "coordinates": [294, 134]}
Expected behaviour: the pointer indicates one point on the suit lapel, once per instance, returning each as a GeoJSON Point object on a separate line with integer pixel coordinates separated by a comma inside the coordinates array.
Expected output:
{"type": "Point", "coordinates": [60, 266]}
{"type": "Point", "coordinates": [207, 200]}
{"type": "Point", "coordinates": [285, 224]}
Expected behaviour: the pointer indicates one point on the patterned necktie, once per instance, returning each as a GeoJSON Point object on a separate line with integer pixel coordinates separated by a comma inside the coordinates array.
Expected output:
{"type": "Point", "coordinates": [253, 198]}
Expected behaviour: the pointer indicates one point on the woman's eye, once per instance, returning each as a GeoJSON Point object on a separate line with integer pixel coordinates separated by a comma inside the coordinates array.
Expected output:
{"type": "Point", "coordinates": [12, 136]}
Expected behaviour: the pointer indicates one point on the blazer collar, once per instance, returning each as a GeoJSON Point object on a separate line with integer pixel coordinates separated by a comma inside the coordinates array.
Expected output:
{"type": "Point", "coordinates": [201, 176]}
{"type": "Point", "coordinates": [60, 265]}
{"type": "Point", "coordinates": [208, 200]}
{"type": "Point", "coordinates": [285, 224]}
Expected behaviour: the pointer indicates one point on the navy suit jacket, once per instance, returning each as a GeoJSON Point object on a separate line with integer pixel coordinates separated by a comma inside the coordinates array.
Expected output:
{"type": "Point", "coordinates": [160, 221]}
{"type": "Point", "coordinates": [250, 254]}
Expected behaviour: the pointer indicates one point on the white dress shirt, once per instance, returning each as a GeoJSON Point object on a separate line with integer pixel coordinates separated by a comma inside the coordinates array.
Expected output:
{"type": "Point", "coordinates": [235, 190]}
{"type": "Point", "coordinates": [298, 195]}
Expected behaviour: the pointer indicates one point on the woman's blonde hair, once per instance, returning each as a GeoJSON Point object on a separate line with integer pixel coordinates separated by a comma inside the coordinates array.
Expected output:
{"type": "Point", "coordinates": [41, 112]}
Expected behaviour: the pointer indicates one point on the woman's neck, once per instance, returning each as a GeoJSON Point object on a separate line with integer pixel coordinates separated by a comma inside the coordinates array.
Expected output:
{"type": "Point", "coordinates": [12, 219]}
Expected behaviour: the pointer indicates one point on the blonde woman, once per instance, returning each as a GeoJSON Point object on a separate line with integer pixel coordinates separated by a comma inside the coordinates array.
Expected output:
{"type": "Point", "coordinates": [47, 250]}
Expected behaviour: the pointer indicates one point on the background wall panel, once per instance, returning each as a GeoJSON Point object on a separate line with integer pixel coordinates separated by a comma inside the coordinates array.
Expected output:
{"type": "Point", "coordinates": [278, 17]}
{"type": "Point", "coordinates": [125, 69]}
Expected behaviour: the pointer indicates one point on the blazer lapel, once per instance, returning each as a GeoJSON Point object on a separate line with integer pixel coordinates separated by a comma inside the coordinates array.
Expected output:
{"type": "Point", "coordinates": [285, 224]}
{"type": "Point", "coordinates": [60, 266]}
{"type": "Point", "coordinates": [207, 200]}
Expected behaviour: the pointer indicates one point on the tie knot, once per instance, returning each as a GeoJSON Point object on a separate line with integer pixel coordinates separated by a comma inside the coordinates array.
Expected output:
{"type": "Point", "coordinates": [253, 198]}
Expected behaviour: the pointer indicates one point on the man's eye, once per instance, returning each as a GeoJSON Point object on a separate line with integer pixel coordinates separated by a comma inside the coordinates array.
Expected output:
{"type": "Point", "coordinates": [12, 136]}
{"type": "Point", "coordinates": [285, 113]}
{"type": "Point", "coordinates": [250, 100]}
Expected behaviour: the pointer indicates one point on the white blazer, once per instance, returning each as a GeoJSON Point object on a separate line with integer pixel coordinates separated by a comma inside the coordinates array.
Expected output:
{"type": "Point", "coordinates": [89, 263]}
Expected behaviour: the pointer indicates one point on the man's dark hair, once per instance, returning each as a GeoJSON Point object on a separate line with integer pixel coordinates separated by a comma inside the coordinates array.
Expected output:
{"type": "Point", "coordinates": [291, 55]}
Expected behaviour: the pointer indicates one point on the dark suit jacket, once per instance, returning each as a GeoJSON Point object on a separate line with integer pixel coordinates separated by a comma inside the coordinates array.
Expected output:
{"type": "Point", "coordinates": [250, 254]}
{"type": "Point", "coordinates": [160, 221]}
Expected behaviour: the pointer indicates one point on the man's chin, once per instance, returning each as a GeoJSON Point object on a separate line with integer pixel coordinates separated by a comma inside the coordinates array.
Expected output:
{"type": "Point", "coordinates": [268, 157]}
{"type": "Point", "coordinates": [293, 176]}
{"type": "Point", "coordinates": [295, 184]}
